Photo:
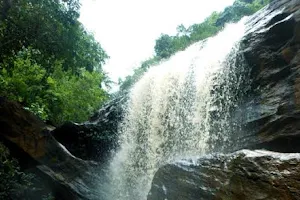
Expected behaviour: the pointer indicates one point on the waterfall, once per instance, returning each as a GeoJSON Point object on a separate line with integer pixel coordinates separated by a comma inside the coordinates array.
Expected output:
{"type": "Point", "coordinates": [179, 108]}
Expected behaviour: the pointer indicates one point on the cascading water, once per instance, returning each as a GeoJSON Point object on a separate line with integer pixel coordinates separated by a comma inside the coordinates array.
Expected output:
{"type": "Point", "coordinates": [179, 108]}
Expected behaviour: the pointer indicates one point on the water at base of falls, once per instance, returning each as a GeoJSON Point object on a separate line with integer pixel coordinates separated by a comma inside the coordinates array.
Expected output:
{"type": "Point", "coordinates": [179, 108]}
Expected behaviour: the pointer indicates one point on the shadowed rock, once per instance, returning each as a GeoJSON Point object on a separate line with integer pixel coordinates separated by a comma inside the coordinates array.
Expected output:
{"type": "Point", "coordinates": [94, 139]}
{"type": "Point", "coordinates": [30, 141]}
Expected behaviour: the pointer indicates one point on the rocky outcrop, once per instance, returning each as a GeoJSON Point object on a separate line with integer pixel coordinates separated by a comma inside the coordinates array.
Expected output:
{"type": "Point", "coordinates": [271, 108]}
{"type": "Point", "coordinates": [30, 141]}
{"type": "Point", "coordinates": [269, 113]}
{"type": "Point", "coordinates": [247, 175]}
{"type": "Point", "coordinates": [96, 138]}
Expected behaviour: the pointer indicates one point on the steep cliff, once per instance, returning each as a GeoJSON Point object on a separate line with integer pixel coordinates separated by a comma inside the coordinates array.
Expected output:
{"type": "Point", "coordinates": [269, 117]}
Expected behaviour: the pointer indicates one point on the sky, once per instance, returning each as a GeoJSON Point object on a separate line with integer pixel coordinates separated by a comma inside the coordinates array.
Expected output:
{"type": "Point", "coordinates": [127, 29]}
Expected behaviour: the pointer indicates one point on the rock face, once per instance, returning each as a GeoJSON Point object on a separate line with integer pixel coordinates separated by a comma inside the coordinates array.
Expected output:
{"type": "Point", "coordinates": [271, 49]}
{"type": "Point", "coordinates": [269, 112]}
{"type": "Point", "coordinates": [247, 175]}
{"type": "Point", "coordinates": [93, 140]}
{"type": "Point", "coordinates": [30, 141]}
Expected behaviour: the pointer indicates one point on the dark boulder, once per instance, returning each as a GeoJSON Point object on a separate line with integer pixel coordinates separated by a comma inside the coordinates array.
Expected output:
{"type": "Point", "coordinates": [94, 139]}
{"type": "Point", "coordinates": [247, 175]}
{"type": "Point", "coordinates": [30, 141]}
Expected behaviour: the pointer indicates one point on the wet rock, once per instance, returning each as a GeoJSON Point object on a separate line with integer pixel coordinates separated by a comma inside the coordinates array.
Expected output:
{"type": "Point", "coordinates": [268, 117]}
{"type": "Point", "coordinates": [95, 139]}
{"type": "Point", "coordinates": [270, 110]}
{"type": "Point", "coordinates": [247, 175]}
{"type": "Point", "coordinates": [30, 141]}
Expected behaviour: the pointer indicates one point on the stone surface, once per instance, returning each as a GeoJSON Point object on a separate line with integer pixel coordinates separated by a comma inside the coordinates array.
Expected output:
{"type": "Point", "coordinates": [264, 85]}
{"type": "Point", "coordinates": [30, 141]}
{"type": "Point", "coordinates": [270, 109]}
{"type": "Point", "coordinates": [94, 139]}
{"type": "Point", "coordinates": [247, 175]}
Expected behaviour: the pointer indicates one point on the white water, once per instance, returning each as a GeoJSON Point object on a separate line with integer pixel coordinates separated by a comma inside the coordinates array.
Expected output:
{"type": "Point", "coordinates": [174, 112]}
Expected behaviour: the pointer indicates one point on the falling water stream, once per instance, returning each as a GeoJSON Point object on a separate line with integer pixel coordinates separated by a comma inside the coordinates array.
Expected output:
{"type": "Point", "coordinates": [179, 108]}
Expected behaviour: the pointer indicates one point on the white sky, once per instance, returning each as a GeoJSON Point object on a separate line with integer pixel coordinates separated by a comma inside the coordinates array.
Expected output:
{"type": "Point", "coordinates": [127, 29]}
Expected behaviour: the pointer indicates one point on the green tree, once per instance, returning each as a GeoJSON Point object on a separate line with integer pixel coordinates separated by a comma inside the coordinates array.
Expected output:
{"type": "Point", "coordinates": [164, 46]}
{"type": "Point", "coordinates": [181, 30]}
{"type": "Point", "coordinates": [21, 79]}
{"type": "Point", "coordinates": [74, 98]}
{"type": "Point", "coordinates": [258, 4]}
{"type": "Point", "coordinates": [59, 96]}
{"type": "Point", "coordinates": [48, 61]}
{"type": "Point", "coordinates": [239, 9]}
{"type": "Point", "coordinates": [53, 28]}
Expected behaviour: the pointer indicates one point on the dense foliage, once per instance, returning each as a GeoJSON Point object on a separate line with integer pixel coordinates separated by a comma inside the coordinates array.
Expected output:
{"type": "Point", "coordinates": [167, 45]}
{"type": "Point", "coordinates": [48, 61]}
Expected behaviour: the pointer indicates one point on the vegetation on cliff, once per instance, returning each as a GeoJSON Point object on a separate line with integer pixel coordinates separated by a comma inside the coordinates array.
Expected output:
{"type": "Point", "coordinates": [166, 45]}
{"type": "Point", "coordinates": [48, 61]}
